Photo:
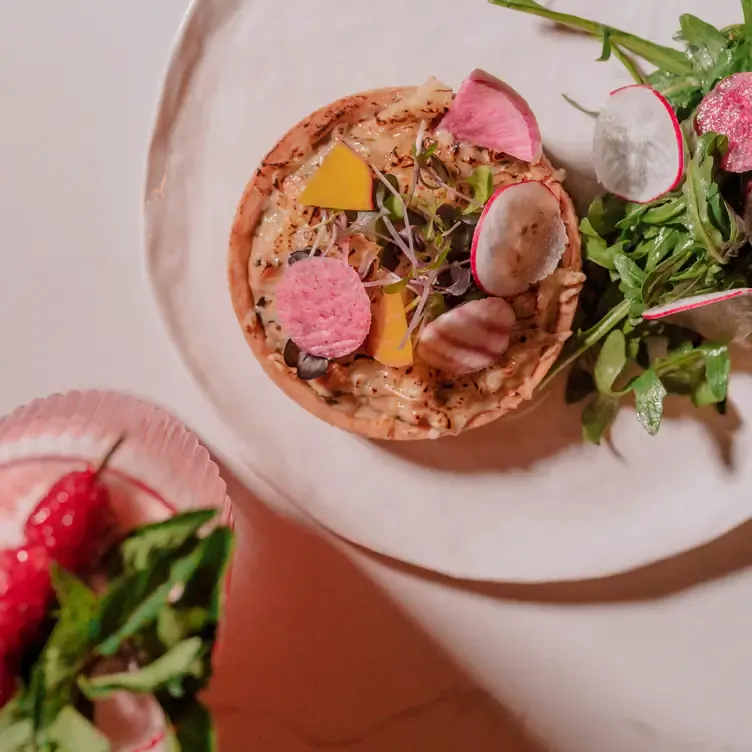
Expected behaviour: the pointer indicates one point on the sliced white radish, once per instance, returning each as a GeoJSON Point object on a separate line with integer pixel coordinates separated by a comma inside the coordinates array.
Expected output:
{"type": "Point", "coordinates": [728, 110]}
{"type": "Point", "coordinates": [722, 316]}
{"type": "Point", "coordinates": [489, 113]}
{"type": "Point", "coordinates": [519, 240]}
{"type": "Point", "coordinates": [638, 148]}
{"type": "Point", "coordinates": [468, 338]}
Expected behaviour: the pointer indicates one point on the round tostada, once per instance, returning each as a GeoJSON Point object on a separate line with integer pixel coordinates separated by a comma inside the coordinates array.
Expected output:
{"type": "Point", "coordinates": [405, 263]}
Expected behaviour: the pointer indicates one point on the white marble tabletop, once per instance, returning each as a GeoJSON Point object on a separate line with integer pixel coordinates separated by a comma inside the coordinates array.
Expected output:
{"type": "Point", "coordinates": [330, 648]}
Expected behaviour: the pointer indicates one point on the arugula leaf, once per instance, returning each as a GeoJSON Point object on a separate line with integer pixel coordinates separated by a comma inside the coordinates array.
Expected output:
{"type": "Point", "coordinates": [649, 395]}
{"type": "Point", "coordinates": [481, 181]}
{"type": "Point", "coordinates": [597, 249]}
{"type": "Point", "coordinates": [700, 174]}
{"type": "Point", "coordinates": [71, 732]}
{"type": "Point", "coordinates": [580, 384]}
{"type": "Point", "coordinates": [666, 58]}
{"type": "Point", "coordinates": [705, 42]}
{"type": "Point", "coordinates": [631, 274]}
{"type": "Point", "coordinates": [154, 541]}
{"type": "Point", "coordinates": [177, 663]}
{"type": "Point", "coordinates": [611, 361]}
{"type": "Point", "coordinates": [717, 370]}
{"type": "Point", "coordinates": [598, 416]}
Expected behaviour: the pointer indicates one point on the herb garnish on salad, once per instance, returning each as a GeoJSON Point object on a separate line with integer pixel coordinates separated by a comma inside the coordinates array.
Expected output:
{"type": "Point", "coordinates": [651, 263]}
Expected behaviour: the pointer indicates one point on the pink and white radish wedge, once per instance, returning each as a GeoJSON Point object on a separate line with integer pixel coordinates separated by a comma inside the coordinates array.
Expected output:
{"type": "Point", "coordinates": [519, 240]}
{"type": "Point", "coordinates": [722, 316]}
{"type": "Point", "coordinates": [638, 148]}
{"type": "Point", "coordinates": [489, 113]}
{"type": "Point", "coordinates": [728, 110]}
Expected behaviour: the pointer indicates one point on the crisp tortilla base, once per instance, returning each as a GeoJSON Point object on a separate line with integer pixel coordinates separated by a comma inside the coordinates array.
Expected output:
{"type": "Point", "coordinates": [293, 149]}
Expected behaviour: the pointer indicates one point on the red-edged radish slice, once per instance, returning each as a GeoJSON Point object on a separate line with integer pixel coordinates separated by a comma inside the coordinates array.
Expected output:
{"type": "Point", "coordinates": [468, 338]}
{"type": "Point", "coordinates": [728, 110]}
{"type": "Point", "coordinates": [519, 240]}
{"type": "Point", "coordinates": [489, 113]}
{"type": "Point", "coordinates": [723, 316]}
{"type": "Point", "coordinates": [638, 148]}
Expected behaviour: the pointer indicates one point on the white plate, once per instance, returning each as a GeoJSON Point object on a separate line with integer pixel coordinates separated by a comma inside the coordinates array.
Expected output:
{"type": "Point", "coordinates": [522, 500]}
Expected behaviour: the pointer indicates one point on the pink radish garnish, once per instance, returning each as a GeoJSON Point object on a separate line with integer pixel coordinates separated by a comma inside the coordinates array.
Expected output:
{"type": "Point", "coordinates": [638, 149]}
{"type": "Point", "coordinates": [468, 338]}
{"type": "Point", "coordinates": [728, 110]}
{"type": "Point", "coordinates": [519, 240]}
{"type": "Point", "coordinates": [489, 113]}
{"type": "Point", "coordinates": [724, 316]}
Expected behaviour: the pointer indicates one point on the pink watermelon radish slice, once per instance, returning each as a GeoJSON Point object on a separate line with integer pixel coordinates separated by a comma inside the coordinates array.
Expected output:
{"type": "Point", "coordinates": [638, 148]}
{"type": "Point", "coordinates": [489, 113]}
{"type": "Point", "coordinates": [468, 338]}
{"type": "Point", "coordinates": [722, 316]}
{"type": "Point", "coordinates": [728, 110]}
{"type": "Point", "coordinates": [519, 240]}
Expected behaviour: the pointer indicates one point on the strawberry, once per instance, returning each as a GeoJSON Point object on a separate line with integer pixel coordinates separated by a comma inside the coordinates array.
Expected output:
{"type": "Point", "coordinates": [25, 595]}
{"type": "Point", "coordinates": [72, 519]}
{"type": "Point", "coordinates": [7, 682]}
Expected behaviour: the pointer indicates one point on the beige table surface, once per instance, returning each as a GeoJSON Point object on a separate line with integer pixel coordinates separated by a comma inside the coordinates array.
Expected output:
{"type": "Point", "coordinates": [327, 648]}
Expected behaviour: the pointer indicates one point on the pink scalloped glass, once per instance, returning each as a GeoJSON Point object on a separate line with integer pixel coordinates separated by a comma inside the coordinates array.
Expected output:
{"type": "Point", "coordinates": [160, 468]}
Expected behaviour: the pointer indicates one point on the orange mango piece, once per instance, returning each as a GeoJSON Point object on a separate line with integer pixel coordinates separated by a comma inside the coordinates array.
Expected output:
{"type": "Point", "coordinates": [343, 181]}
{"type": "Point", "coordinates": [388, 330]}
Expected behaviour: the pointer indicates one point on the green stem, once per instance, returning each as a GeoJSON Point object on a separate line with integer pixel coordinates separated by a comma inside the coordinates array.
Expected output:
{"type": "Point", "coordinates": [666, 58]}
{"type": "Point", "coordinates": [591, 337]}
{"type": "Point", "coordinates": [747, 8]}
{"type": "Point", "coordinates": [629, 64]}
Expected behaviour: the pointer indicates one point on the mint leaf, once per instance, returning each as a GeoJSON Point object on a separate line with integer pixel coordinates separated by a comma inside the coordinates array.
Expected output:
{"type": "Point", "coordinates": [175, 625]}
{"type": "Point", "coordinates": [71, 732]}
{"type": "Point", "coordinates": [193, 729]}
{"type": "Point", "coordinates": [66, 652]}
{"type": "Point", "coordinates": [181, 661]}
{"type": "Point", "coordinates": [143, 610]}
{"type": "Point", "coordinates": [209, 577]}
{"type": "Point", "coordinates": [16, 729]}
{"type": "Point", "coordinates": [147, 543]}
{"type": "Point", "coordinates": [481, 181]}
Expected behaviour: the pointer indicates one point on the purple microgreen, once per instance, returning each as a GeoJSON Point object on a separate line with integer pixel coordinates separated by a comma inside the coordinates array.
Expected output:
{"type": "Point", "coordinates": [418, 315]}
{"type": "Point", "coordinates": [397, 240]}
{"type": "Point", "coordinates": [405, 217]}
{"type": "Point", "coordinates": [392, 279]}
{"type": "Point", "coordinates": [451, 229]}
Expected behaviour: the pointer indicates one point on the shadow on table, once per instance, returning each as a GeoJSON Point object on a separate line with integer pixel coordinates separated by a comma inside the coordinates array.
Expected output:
{"type": "Point", "coordinates": [315, 656]}
{"type": "Point", "coordinates": [713, 561]}
{"type": "Point", "coordinates": [542, 428]}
